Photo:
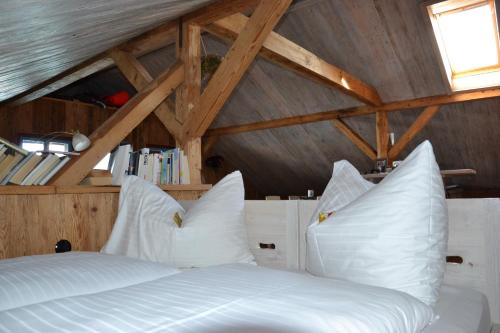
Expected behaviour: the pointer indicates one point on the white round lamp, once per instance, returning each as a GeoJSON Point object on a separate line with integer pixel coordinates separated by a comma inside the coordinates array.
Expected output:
{"type": "Point", "coordinates": [80, 142]}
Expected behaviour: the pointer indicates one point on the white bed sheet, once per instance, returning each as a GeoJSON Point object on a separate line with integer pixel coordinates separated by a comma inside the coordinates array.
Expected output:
{"type": "Point", "coordinates": [229, 298]}
{"type": "Point", "coordinates": [461, 310]}
{"type": "Point", "coordinates": [35, 279]}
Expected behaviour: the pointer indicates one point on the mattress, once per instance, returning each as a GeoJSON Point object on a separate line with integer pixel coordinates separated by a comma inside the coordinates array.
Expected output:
{"type": "Point", "coordinates": [83, 292]}
{"type": "Point", "coordinates": [461, 310]}
{"type": "Point", "coordinates": [228, 298]}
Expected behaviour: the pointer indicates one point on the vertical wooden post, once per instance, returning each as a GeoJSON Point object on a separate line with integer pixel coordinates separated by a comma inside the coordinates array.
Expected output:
{"type": "Point", "coordinates": [382, 132]}
{"type": "Point", "coordinates": [187, 100]}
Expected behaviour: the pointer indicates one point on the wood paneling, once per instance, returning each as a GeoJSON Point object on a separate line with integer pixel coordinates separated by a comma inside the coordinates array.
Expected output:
{"type": "Point", "coordinates": [33, 223]}
{"type": "Point", "coordinates": [41, 39]}
{"type": "Point", "coordinates": [49, 115]}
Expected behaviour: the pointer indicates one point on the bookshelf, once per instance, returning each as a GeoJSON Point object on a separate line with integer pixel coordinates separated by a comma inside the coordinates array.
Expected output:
{"type": "Point", "coordinates": [17, 190]}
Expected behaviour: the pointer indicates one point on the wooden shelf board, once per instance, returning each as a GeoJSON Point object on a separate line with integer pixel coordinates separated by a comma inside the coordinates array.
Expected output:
{"type": "Point", "coordinates": [15, 189]}
{"type": "Point", "coordinates": [444, 173]}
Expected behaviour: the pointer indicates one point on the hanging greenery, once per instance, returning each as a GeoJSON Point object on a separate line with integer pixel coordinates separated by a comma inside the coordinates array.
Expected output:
{"type": "Point", "coordinates": [209, 64]}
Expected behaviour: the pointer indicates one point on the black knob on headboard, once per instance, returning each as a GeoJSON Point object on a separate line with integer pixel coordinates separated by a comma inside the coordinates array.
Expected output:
{"type": "Point", "coordinates": [63, 246]}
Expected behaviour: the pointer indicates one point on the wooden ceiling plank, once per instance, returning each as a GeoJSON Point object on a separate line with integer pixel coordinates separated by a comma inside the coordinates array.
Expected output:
{"type": "Point", "coordinates": [382, 133]}
{"type": "Point", "coordinates": [119, 125]}
{"type": "Point", "coordinates": [413, 130]}
{"type": "Point", "coordinates": [355, 138]}
{"type": "Point", "coordinates": [139, 77]}
{"type": "Point", "coordinates": [219, 10]}
{"type": "Point", "coordinates": [154, 39]}
{"type": "Point", "coordinates": [289, 55]}
{"type": "Point", "coordinates": [235, 63]}
{"type": "Point", "coordinates": [460, 97]}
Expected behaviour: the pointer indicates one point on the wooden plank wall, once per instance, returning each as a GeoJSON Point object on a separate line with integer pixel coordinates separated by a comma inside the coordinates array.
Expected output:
{"type": "Point", "coordinates": [48, 115]}
{"type": "Point", "coordinates": [32, 224]}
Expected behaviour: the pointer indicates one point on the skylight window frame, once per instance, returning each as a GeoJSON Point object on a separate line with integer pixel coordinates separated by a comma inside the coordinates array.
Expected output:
{"type": "Point", "coordinates": [437, 8]}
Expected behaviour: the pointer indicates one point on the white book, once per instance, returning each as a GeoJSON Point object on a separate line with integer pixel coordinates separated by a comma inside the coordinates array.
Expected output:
{"type": "Point", "coordinates": [54, 170]}
{"type": "Point", "coordinates": [120, 164]}
{"type": "Point", "coordinates": [156, 168]}
{"type": "Point", "coordinates": [149, 167]}
{"type": "Point", "coordinates": [54, 160]}
{"type": "Point", "coordinates": [185, 176]}
{"type": "Point", "coordinates": [140, 166]}
{"type": "Point", "coordinates": [40, 168]}
{"type": "Point", "coordinates": [18, 167]}
{"type": "Point", "coordinates": [175, 167]}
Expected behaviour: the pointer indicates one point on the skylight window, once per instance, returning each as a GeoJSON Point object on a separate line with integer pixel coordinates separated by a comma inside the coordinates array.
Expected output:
{"type": "Point", "coordinates": [467, 36]}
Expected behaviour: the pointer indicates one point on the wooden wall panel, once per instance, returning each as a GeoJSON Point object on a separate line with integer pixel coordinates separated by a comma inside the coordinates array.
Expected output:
{"type": "Point", "coordinates": [32, 224]}
{"type": "Point", "coordinates": [48, 115]}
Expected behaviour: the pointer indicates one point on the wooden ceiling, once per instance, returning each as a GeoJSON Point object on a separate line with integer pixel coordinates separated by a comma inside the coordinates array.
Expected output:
{"type": "Point", "coordinates": [385, 43]}
{"type": "Point", "coordinates": [40, 39]}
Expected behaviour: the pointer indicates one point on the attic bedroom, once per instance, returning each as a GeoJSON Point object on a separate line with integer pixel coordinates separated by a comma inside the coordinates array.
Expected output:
{"type": "Point", "coordinates": [249, 166]}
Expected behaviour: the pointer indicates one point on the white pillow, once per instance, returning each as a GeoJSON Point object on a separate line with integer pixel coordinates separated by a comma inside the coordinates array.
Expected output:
{"type": "Point", "coordinates": [346, 185]}
{"type": "Point", "coordinates": [213, 230]}
{"type": "Point", "coordinates": [393, 236]}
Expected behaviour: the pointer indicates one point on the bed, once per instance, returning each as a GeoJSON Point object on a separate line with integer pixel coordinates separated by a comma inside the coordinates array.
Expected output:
{"type": "Point", "coordinates": [89, 292]}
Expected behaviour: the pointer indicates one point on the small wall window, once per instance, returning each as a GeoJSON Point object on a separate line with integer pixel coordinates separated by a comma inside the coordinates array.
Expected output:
{"type": "Point", "coordinates": [56, 145]}
{"type": "Point", "coordinates": [466, 32]}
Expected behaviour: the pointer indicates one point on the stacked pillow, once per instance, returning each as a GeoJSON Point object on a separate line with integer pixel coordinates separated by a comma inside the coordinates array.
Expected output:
{"type": "Point", "coordinates": [211, 232]}
{"type": "Point", "coordinates": [345, 186]}
{"type": "Point", "coordinates": [394, 235]}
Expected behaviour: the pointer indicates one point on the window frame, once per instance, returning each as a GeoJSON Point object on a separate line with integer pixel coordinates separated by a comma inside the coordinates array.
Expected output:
{"type": "Point", "coordinates": [447, 7]}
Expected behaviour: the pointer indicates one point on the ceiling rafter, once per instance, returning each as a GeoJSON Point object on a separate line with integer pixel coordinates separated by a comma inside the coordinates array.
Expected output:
{"type": "Point", "coordinates": [415, 128]}
{"type": "Point", "coordinates": [355, 138]}
{"type": "Point", "coordinates": [289, 55]}
{"type": "Point", "coordinates": [357, 111]}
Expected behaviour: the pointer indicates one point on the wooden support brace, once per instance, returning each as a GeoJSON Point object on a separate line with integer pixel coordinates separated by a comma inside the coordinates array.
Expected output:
{"type": "Point", "coordinates": [413, 130]}
{"type": "Point", "coordinates": [139, 77]}
{"type": "Point", "coordinates": [236, 62]}
{"type": "Point", "coordinates": [219, 10]}
{"type": "Point", "coordinates": [289, 55]}
{"type": "Point", "coordinates": [119, 125]}
{"type": "Point", "coordinates": [192, 149]}
{"type": "Point", "coordinates": [382, 132]}
{"type": "Point", "coordinates": [355, 138]}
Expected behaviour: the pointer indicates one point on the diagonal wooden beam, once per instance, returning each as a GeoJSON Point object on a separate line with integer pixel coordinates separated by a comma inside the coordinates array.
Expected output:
{"type": "Point", "coordinates": [461, 97]}
{"type": "Point", "coordinates": [355, 138]}
{"type": "Point", "coordinates": [154, 39]}
{"type": "Point", "coordinates": [139, 77]}
{"type": "Point", "coordinates": [287, 54]}
{"type": "Point", "coordinates": [119, 125]}
{"type": "Point", "coordinates": [236, 62]}
{"type": "Point", "coordinates": [415, 128]}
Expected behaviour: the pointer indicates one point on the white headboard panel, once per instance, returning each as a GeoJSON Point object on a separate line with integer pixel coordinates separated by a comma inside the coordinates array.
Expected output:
{"type": "Point", "coordinates": [474, 235]}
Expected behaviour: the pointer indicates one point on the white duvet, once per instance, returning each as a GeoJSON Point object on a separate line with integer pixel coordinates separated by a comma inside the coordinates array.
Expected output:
{"type": "Point", "coordinates": [228, 298]}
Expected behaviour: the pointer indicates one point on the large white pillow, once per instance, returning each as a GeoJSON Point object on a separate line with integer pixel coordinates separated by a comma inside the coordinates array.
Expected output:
{"type": "Point", "coordinates": [394, 235]}
{"type": "Point", "coordinates": [213, 230]}
{"type": "Point", "coordinates": [346, 185]}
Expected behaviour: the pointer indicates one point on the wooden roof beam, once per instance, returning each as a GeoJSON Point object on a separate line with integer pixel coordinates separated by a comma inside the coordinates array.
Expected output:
{"type": "Point", "coordinates": [219, 10]}
{"type": "Point", "coordinates": [413, 130]}
{"type": "Point", "coordinates": [139, 77]}
{"type": "Point", "coordinates": [358, 111]}
{"type": "Point", "coordinates": [355, 138]}
{"type": "Point", "coordinates": [289, 55]}
{"type": "Point", "coordinates": [119, 125]}
{"type": "Point", "coordinates": [235, 63]}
